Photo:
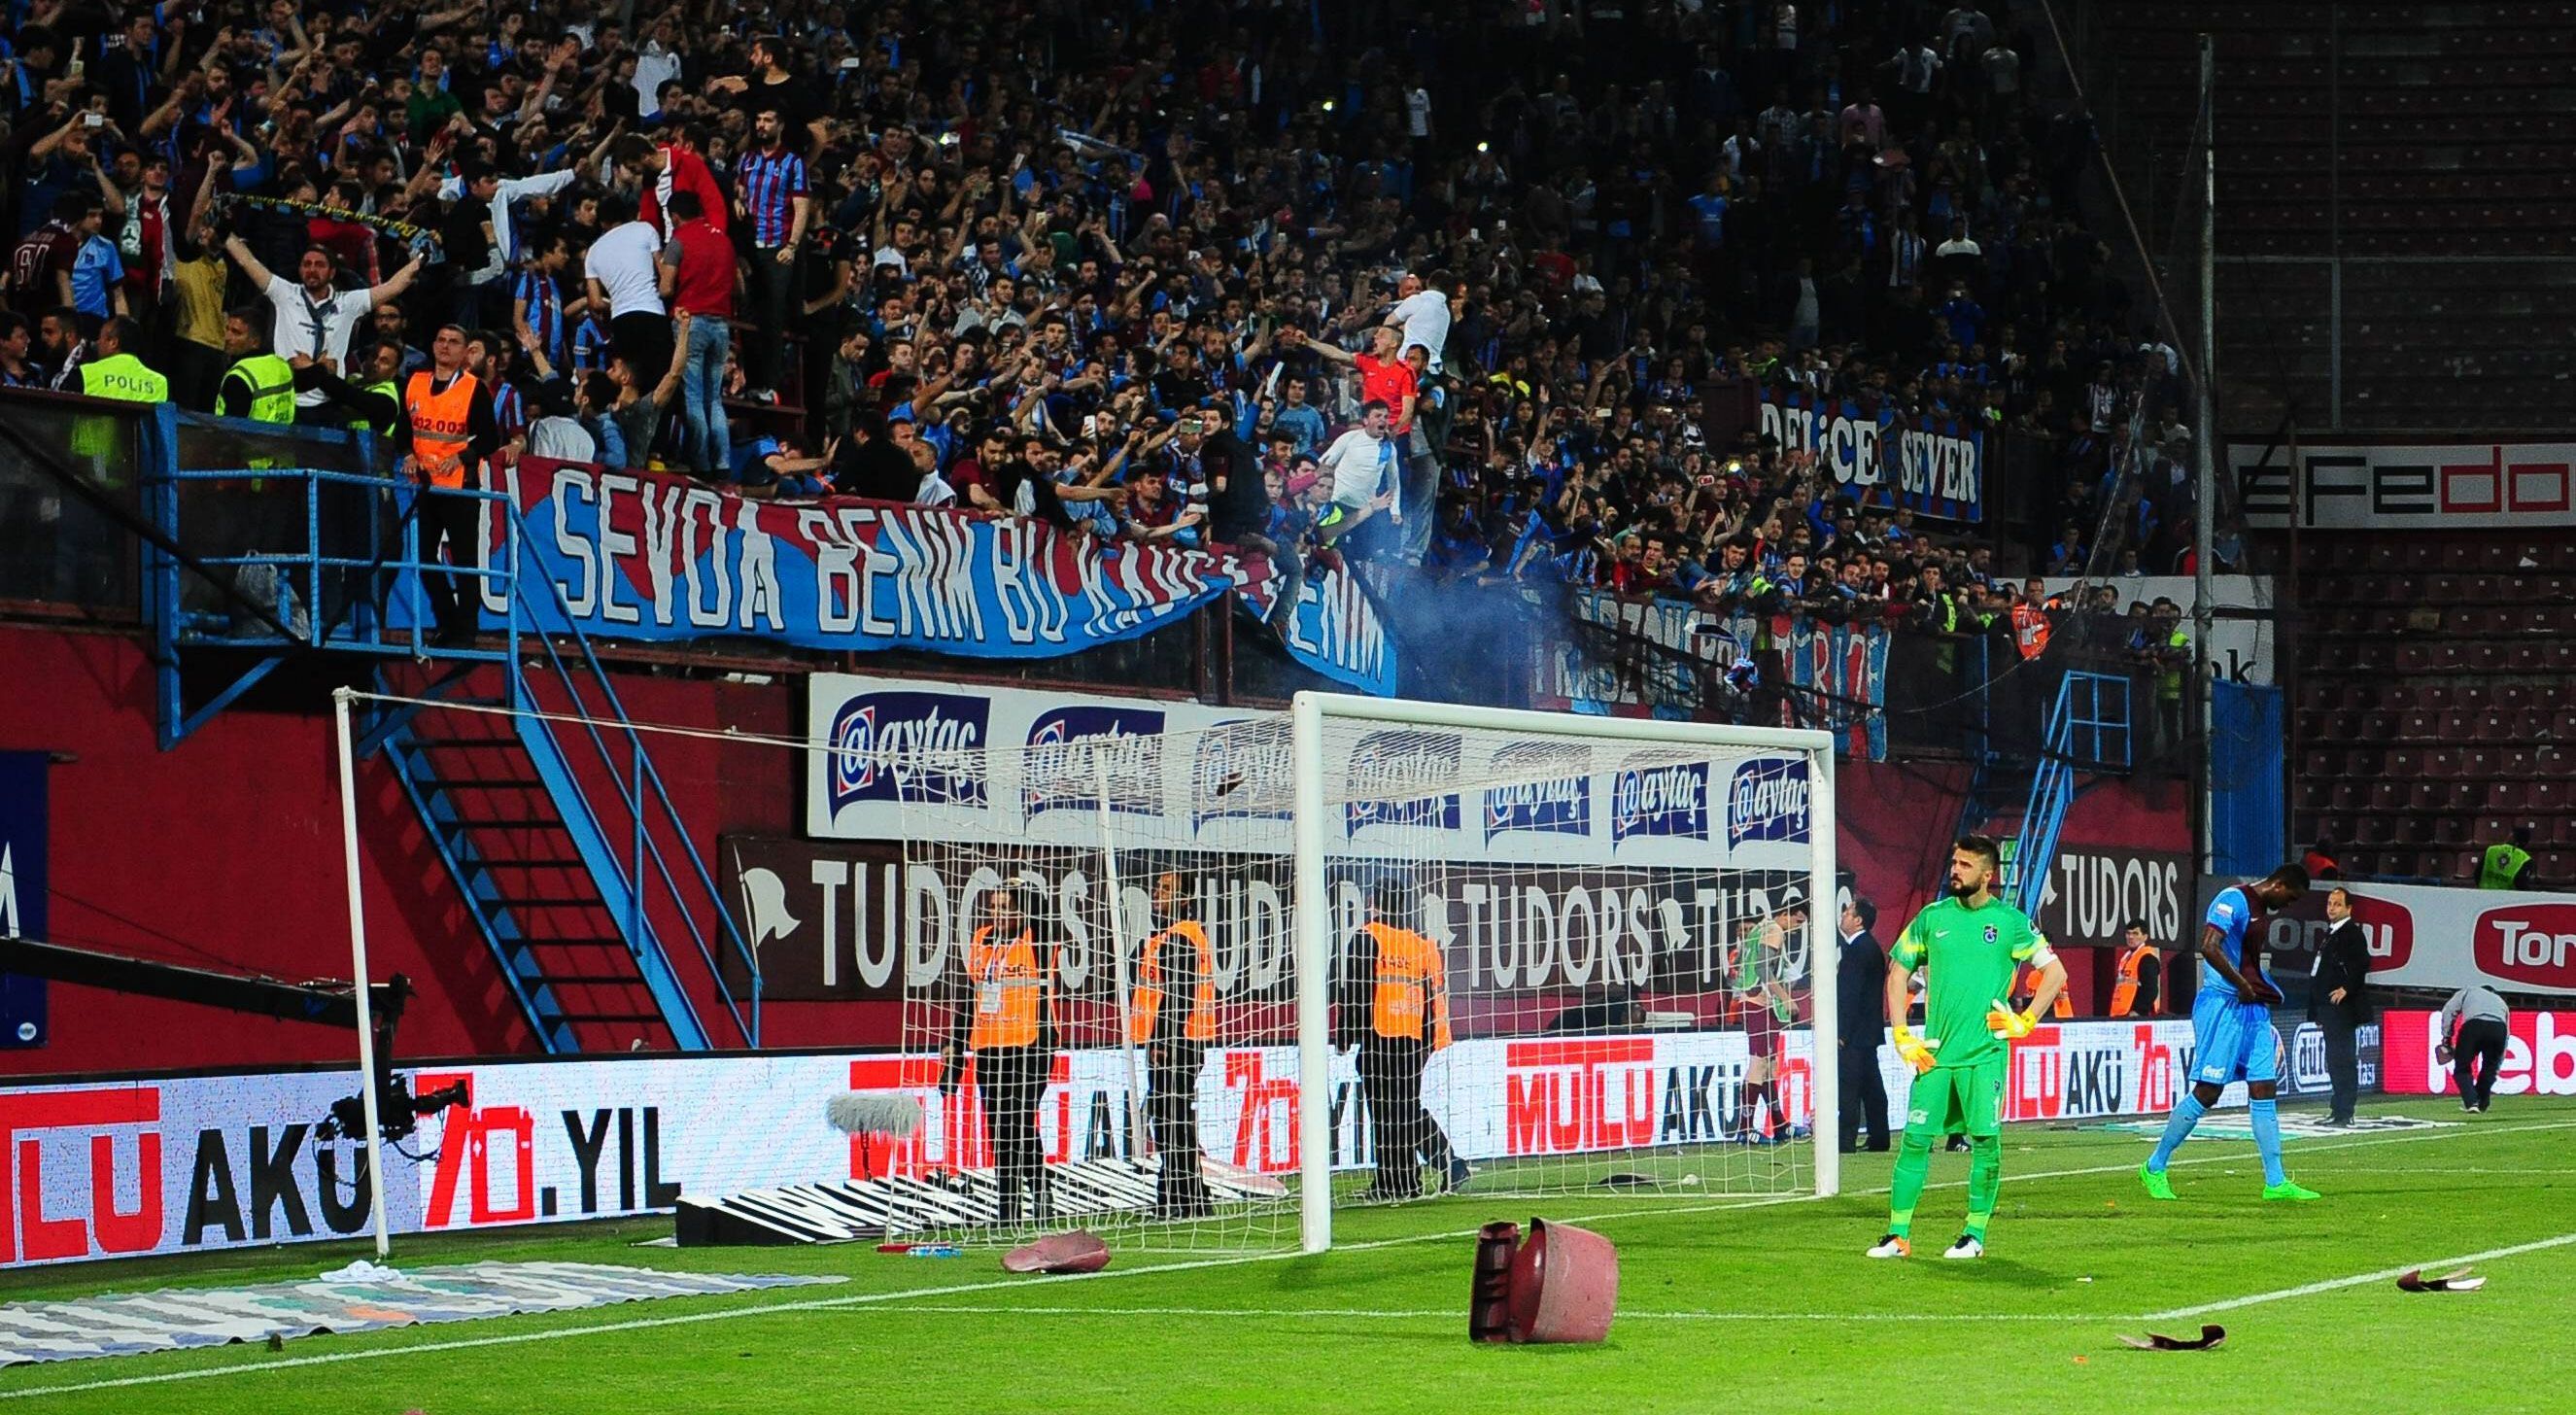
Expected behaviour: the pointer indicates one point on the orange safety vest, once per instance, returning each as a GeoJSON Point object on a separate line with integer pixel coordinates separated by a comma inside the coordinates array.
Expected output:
{"type": "Point", "coordinates": [2065, 1004]}
{"type": "Point", "coordinates": [1145, 1001]}
{"type": "Point", "coordinates": [2124, 993]}
{"type": "Point", "coordinates": [1411, 981]}
{"type": "Point", "coordinates": [441, 426]}
{"type": "Point", "coordinates": [1006, 990]}
{"type": "Point", "coordinates": [2030, 630]}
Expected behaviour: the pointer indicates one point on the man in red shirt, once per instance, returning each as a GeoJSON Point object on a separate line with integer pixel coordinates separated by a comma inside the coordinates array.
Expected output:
{"type": "Point", "coordinates": [665, 171]}
{"type": "Point", "coordinates": [697, 278]}
{"type": "Point", "coordinates": [1384, 378]}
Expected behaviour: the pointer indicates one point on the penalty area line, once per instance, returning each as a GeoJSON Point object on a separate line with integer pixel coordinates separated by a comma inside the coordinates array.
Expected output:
{"type": "Point", "coordinates": [870, 1299]}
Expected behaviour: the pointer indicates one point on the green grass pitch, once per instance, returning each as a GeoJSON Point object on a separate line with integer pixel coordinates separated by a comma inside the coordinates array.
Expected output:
{"type": "Point", "coordinates": [1724, 1305]}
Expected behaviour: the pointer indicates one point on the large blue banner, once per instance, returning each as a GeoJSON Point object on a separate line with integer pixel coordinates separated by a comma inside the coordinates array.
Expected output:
{"type": "Point", "coordinates": [635, 555]}
{"type": "Point", "coordinates": [22, 890]}
{"type": "Point", "coordinates": [1935, 465]}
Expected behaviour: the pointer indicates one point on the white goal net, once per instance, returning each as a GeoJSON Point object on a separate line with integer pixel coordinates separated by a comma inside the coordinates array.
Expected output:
{"type": "Point", "coordinates": [1207, 984]}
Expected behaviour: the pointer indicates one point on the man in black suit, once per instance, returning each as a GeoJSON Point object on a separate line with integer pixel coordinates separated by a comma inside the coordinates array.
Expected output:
{"type": "Point", "coordinates": [1861, 985]}
{"type": "Point", "coordinates": [2338, 1000]}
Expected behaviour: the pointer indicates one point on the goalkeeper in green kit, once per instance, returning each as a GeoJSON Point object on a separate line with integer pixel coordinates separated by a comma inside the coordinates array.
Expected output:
{"type": "Point", "coordinates": [1968, 946]}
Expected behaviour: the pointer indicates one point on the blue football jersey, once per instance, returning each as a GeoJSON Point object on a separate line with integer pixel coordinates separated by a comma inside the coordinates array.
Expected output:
{"type": "Point", "coordinates": [2231, 913]}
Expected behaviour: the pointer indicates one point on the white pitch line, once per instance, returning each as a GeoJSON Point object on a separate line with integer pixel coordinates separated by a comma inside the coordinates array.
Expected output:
{"type": "Point", "coordinates": [375, 1353]}
{"type": "Point", "coordinates": [2311, 1289]}
{"type": "Point", "coordinates": [1447, 1315]}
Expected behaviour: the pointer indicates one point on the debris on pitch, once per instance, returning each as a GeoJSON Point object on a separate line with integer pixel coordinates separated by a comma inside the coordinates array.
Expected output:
{"type": "Point", "coordinates": [2461, 1281]}
{"type": "Point", "coordinates": [2211, 1334]}
{"type": "Point", "coordinates": [1075, 1251]}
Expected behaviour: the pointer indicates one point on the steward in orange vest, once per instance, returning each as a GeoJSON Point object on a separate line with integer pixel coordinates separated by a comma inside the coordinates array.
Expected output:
{"type": "Point", "coordinates": [446, 430]}
{"type": "Point", "coordinates": [1171, 1013]}
{"type": "Point", "coordinates": [2140, 978]}
{"type": "Point", "coordinates": [1394, 1007]}
{"type": "Point", "coordinates": [1005, 1030]}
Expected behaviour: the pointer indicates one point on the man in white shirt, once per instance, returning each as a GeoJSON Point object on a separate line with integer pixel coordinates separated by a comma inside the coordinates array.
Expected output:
{"type": "Point", "coordinates": [623, 276]}
{"type": "Point", "coordinates": [313, 319]}
{"type": "Point", "coordinates": [1367, 473]}
{"type": "Point", "coordinates": [1421, 311]}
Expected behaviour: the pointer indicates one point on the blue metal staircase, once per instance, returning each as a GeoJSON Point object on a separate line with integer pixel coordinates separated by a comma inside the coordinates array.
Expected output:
{"type": "Point", "coordinates": [537, 791]}
{"type": "Point", "coordinates": [2086, 728]}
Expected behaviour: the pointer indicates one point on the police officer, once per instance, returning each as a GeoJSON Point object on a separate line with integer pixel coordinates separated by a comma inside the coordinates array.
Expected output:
{"type": "Point", "coordinates": [2507, 864]}
{"type": "Point", "coordinates": [1394, 1007]}
{"type": "Point", "coordinates": [1171, 1013]}
{"type": "Point", "coordinates": [259, 386]}
{"type": "Point", "coordinates": [2140, 977]}
{"type": "Point", "coordinates": [1861, 1026]}
{"type": "Point", "coordinates": [447, 430]}
{"type": "Point", "coordinates": [2338, 1001]}
{"type": "Point", "coordinates": [111, 372]}
{"type": "Point", "coordinates": [1004, 1030]}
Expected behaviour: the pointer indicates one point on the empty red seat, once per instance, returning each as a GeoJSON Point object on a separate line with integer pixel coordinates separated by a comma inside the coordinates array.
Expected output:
{"type": "Point", "coordinates": [2507, 796]}
{"type": "Point", "coordinates": [2559, 655]}
{"type": "Point", "coordinates": [2562, 725]}
{"type": "Point", "coordinates": [2375, 829]}
{"type": "Point", "coordinates": [2512, 696]}
{"type": "Point", "coordinates": [2486, 657]}
{"type": "Point", "coordinates": [2450, 830]}
{"type": "Point", "coordinates": [2472, 697]}
{"type": "Point", "coordinates": [2525, 658]}
{"type": "Point", "coordinates": [2478, 763]}
{"type": "Point", "coordinates": [2415, 726]}
{"type": "Point", "coordinates": [2406, 761]}
{"type": "Point", "coordinates": [2464, 865]}
{"type": "Point", "coordinates": [2546, 797]}
{"type": "Point", "coordinates": [2315, 796]}
{"type": "Point", "coordinates": [2563, 830]}
{"type": "Point", "coordinates": [2413, 659]}
{"type": "Point", "coordinates": [2496, 725]}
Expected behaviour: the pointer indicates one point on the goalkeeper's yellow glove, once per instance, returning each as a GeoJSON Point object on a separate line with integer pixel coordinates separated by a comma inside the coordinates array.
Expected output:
{"type": "Point", "coordinates": [2006, 1024]}
{"type": "Point", "coordinates": [1913, 1050]}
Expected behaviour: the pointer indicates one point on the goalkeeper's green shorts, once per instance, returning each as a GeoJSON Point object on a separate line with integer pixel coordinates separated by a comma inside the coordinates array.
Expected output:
{"type": "Point", "coordinates": [1958, 1100]}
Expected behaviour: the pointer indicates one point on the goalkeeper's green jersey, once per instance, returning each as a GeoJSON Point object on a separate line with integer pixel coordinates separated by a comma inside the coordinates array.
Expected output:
{"type": "Point", "coordinates": [1968, 957]}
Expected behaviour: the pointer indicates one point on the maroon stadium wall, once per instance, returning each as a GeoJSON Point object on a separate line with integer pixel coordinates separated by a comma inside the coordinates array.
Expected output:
{"type": "Point", "coordinates": [225, 853]}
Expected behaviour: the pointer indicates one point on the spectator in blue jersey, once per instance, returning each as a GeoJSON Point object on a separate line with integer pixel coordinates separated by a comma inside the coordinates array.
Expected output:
{"type": "Point", "coordinates": [777, 204]}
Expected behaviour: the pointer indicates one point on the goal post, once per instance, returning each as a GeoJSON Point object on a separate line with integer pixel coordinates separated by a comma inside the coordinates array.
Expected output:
{"type": "Point", "coordinates": [1333, 765]}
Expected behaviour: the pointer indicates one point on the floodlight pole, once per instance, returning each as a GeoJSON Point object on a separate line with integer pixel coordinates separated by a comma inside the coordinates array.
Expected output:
{"type": "Point", "coordinates": [374, 1138]}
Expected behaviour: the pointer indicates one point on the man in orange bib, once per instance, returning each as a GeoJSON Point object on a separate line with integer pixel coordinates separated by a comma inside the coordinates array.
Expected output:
{"type": "Point", "coordinates": [1003, 1032]}
{"type": "Point", "coordinates": [1394, 1007]}
{"type": "Point", "coordinates": [446, 430]}
{"type": "Point", "coordinates": [1171, 1013]}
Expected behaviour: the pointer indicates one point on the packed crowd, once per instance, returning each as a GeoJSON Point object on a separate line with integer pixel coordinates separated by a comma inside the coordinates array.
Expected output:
{"type": "Point", "coordinates": [1477, 288]}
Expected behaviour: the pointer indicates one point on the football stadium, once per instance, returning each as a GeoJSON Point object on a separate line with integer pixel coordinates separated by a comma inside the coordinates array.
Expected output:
{"type": "Point", "coordinates": [1082, 705]}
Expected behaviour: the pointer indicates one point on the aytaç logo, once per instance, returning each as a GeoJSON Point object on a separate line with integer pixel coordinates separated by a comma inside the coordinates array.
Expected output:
{"type": "Point", "coordinates": [2528, 943]}
{"type": "Point", "coordinates": [921, 748]}
{"type": "Point", "coordinates": [1768, 801]}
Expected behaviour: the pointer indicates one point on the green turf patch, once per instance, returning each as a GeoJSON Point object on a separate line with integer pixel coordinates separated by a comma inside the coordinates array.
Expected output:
{"type": "Point", "coordinates": [1725, 1301]}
